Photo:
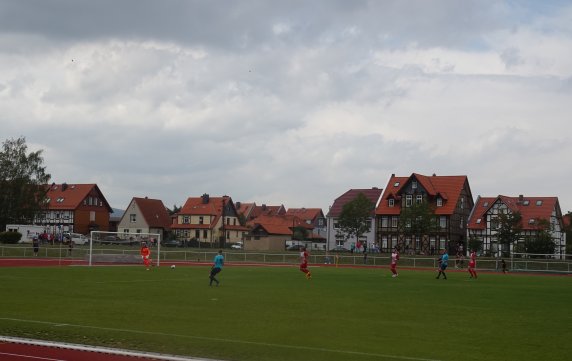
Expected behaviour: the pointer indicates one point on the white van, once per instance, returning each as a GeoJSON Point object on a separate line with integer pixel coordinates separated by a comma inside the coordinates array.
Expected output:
{"type": "Point", "coordinates": [79, 239]}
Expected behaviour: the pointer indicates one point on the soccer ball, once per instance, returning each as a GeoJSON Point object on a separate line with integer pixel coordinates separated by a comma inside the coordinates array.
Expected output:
{"type": "Point", "coordinates": [172, 266]}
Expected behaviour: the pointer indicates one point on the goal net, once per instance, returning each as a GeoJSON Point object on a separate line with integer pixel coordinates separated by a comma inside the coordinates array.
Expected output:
{"type": "Point", "coordinates": [122, 248]}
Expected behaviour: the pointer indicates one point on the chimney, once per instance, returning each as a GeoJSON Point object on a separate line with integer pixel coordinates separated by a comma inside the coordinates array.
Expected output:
{"type": "Point", "coordinates": [64, 186]}
{"type": "Point", "coordinates": [264, 207]}
{"type": "Point", "coordinates": [520, 198]}
{"type": "Point", "coordinates": [205, 198]}
{"type": "Point", "coordinates": [237, 205]}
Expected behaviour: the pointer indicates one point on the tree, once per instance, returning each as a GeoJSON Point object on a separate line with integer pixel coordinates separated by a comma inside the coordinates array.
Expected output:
{"type": "Point", "coordinates": [541, 242]}
{"type": "Point", "coordinates": [355, 217]}
{"type": "Point", "coordinates": [299, 233]}
{"type": "Point", "coordinates": [475, 244]}
{"type": "Point", "coordinates": [417, 221]}
{"type": "Point", "coordinates": [509, 228]}
{"type": "Point", "coordinates": [23, 181]}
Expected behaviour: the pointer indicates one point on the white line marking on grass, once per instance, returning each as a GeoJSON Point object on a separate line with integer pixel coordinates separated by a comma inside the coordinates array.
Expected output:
{"type": "Point", "coordinates": [293, 347]}
{"type": "Point", "coordinates": [32, 357]}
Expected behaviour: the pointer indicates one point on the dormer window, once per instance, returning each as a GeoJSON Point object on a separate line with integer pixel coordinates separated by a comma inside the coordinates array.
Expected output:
{"type": "Point", "coordinates": [531, 221]}
{"type": "Point", "coordinates": [60, 200]}
{"type": "Point", "coordinates": [396, 184]}
{"type": "Point", "coordinates": [526, 202]}
{"type": "Point", "coordinates": [486, 204]}
{"type": "Point", "coordinates": [478, 221]}
{"type": "Point", "coordinates": [391, 202]}
{"type": "Point", "coordinates": [538, 203]}
{"type": "Point", "coordinates": [439, 202]}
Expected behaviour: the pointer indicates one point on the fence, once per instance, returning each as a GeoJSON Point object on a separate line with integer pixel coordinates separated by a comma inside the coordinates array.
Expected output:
{"type": "Point", "coordinates": [377, 259]}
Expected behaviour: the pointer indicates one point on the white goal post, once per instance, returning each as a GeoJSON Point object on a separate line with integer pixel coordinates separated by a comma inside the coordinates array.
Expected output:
{"type": "Point", "coordinates": [121, 247]}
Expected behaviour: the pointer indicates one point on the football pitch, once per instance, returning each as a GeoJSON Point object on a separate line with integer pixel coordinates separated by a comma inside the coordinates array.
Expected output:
{"type": "Point", "coordinates": [274, 313]}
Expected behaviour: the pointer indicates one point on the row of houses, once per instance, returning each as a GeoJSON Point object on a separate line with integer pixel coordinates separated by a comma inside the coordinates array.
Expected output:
{"type": "Point", "coordinates": [205, 219]}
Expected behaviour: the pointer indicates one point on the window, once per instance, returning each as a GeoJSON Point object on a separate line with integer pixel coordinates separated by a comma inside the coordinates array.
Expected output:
{"type": "Point", "coordinates": [414, 185]}
{"type": "Point", "coordinates": [201, 220]}
{"type": "Point", "coordinates": [197, 234]}
{"type": "Point", "coordinates": [419, 199]}
{"type": "Point", "coordinates": [486, 204]}
{"type": "Point", "coordinates": [126, 230]}
{"type": "Point", "coordinates": [384, 222]}
{"type": "Point", "coordinates": [321, 222]}
{"type": "Point", "coordinates": [538, 203]}
{"type": "Point", "coordinates": [396, 184]}
{"type": "Point", "coordinates": [186, 219]}
{"type": "Point", "coordinates": [461, 223]}
{"type": "Point", "coordinates": [478, 221]}
{"type": "Point", "coordinates": [408, 200]}
{"type": "Point", "coordinates": [132, 218]}
{"type": "Point", "coordinates": [526, 202]}
{"type": "Point", "coordinates": [205, 234]}
{"type": "Point", "coordinates": [462, 205]}
{"type": "Point", "coordinates": [336, 226]}
{"type": "Point", "coordinates": [92, 216]}
{"type": "Point", "coordinates": [394, 222]}
{"type": "Point", "coordinates": [531, 221]}
{"type": "Point", "coordinates": [443, 222]}
{"type": "Point", "coordinates": [391, 202]}
{"type": "Point", "coordinates": [439, 202]}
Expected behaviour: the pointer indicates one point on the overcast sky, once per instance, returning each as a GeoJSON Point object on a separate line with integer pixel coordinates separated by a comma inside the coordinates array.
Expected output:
{"type": "Point", "coordinates": [290, 102]}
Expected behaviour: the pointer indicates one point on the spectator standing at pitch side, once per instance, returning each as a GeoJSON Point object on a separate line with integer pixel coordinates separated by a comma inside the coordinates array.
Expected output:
{"type": "Point", "coordinates": [304, 263]}
{"type": "Point", "coordinates": [443, 263]}
{"type": "Point", "coordinates": [36, 245]}
{"type": "Point", "coordinates": [218, 263]}
{"type": "Point", "coordinates": [394, 259]}
{"type": "Point", "coordinates": [145, 254]}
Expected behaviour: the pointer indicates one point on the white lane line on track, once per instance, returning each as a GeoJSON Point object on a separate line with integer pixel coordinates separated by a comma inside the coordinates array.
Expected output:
{"type": "Point", "coordinates": [30, 357]}
{"type": "Point", "coordinates": [294, 347]}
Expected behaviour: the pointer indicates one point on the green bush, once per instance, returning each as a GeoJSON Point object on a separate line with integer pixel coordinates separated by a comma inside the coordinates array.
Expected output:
{"type": "Point", "coordinates": [10, 237]}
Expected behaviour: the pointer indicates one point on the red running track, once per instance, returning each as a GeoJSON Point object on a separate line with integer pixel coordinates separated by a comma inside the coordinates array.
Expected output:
{"type": "Point", "coordinates": [16, 349]}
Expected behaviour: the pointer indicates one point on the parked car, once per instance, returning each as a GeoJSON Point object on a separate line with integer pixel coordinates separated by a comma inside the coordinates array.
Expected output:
{"type": "Point", "coordinates": [76, 238]}
{"type": "Point", "coordinates": [237, 245]}
{"type": "Point", "coordinates": [171, 243]}
{"type": "Point", "coordinates": [295, 247]}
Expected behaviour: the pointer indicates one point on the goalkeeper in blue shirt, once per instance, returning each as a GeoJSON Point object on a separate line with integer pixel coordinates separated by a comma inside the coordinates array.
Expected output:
{"type": "Point", "coordinates": [443, 263]}
{"type": "Point", "coordinates": [217, 267]}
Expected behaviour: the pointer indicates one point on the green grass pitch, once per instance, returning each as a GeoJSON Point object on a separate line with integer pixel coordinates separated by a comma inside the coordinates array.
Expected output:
{"type": "Point", "coordinates": [274, 313]}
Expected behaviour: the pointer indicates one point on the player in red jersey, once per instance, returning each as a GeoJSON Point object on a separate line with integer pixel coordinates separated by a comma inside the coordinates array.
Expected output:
{"type": "Point", "coordinates": [394, 259]}
{"type": "Point", "coordinates": [145, 254]}
{"type": "Point", "coordinates": [473, 264]}
{"type": "Point", "coordinates": [304, 263]}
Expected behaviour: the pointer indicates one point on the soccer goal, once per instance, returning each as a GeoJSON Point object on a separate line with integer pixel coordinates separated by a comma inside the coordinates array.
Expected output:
{"type": "Point", "coordinates": [122, 248]}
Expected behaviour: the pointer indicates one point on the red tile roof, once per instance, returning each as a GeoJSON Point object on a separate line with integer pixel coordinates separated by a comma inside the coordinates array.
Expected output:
{"type": "Point", "coordinates": [529, 208]}
{"type": "Point", "coordinates": [567, 219]}
{"type": "Point", "coordinates": [481, 207]}
{"type": "Point", "coordinates": [277, 225]}
{"type": "Point", "coordinates": [447, 187]}
{"type": "Point", "coordinates": [196, 206]}
{"type": "Point", "coordinates": [71, 196]}
{"type": "Point", "coordinates": [245, 208]}
{"type": "Point", "coordinates": [154, 212]}
{"type": "Point", "coordinates": [305, 214]}
{"type": "Point", "coordinates": [267, 210]}
{"type": "Point", "coordinates": [372, 194]}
